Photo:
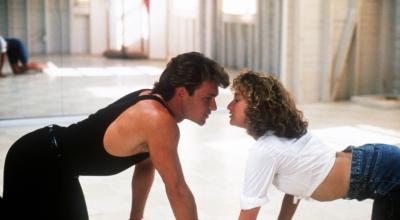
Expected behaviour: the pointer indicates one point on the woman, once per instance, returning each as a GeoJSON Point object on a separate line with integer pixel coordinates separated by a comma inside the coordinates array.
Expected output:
{"type": "Point", "coordinates": [17, 56]}
{"type": "Point", "coordinates": [288, 156]}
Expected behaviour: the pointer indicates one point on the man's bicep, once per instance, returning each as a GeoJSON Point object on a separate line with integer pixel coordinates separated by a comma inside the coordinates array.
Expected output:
{"type": "Point", "coordinates": [166, 162]}
{"type": "Point", "coordinates": [164, 155]}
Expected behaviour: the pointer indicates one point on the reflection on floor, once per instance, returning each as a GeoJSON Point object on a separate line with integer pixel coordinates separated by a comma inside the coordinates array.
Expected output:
{"type": "Point", "coordinates": [212, 156]}
{"type": "Point", "coordinates": [55, 92]}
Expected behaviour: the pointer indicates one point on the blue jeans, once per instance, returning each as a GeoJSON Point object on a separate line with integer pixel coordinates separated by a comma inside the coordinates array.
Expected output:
{"type": "Point", "coordinates": [375, 174]}
{"type": "Point", "coordinates": [16, 51]}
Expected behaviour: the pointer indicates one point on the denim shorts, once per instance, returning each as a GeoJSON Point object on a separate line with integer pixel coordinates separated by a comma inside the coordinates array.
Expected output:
{"type": "Point", "coordinates": [16, 51]}
{"type": "Point", "coordinates": [375, 171]}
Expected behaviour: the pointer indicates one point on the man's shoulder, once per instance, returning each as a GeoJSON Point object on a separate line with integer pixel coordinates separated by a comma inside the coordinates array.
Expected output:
{"type": "Point", "coordinates": [154, 113]}
{"type": "Point", "coordinates": [156, 121]}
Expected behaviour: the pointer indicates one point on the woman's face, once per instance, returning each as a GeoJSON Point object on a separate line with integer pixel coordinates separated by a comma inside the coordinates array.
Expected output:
{"type": "Point", "coordinates": [237, 108]}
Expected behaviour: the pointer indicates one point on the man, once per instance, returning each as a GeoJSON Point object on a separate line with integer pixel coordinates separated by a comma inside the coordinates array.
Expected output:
{"type": "Point", "coordinates": [42, 168]}
{"type": "Point", "coordinates": [17, 56]}
{"type": "Point", "coordinates": [189, 95]}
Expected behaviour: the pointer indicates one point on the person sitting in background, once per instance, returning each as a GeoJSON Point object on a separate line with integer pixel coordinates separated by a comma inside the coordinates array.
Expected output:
{"type": "Point", "coordinates": [297, 163]}
{"type": "Point", "coordinates": [17, 56]}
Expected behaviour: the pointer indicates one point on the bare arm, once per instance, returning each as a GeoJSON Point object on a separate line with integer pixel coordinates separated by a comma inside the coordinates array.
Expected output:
{"type": "Point", "coordinates": [250, 214]}
{"type": "Point", "coordinates": [163, 143]}
{"type": "Point", "coordinates": [288, 208]}
{"type": "Point", "coordinates": [2, 57]}
{"type": "Point", "coordinates": [141, 183]}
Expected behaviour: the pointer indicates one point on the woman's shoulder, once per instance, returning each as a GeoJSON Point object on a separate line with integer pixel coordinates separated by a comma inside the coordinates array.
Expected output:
{"type": "Point", "coordinates": [272, 143]}
{"type": "Point", "coordinates": [270, 138]}
{"type": "Point", "coordinates": [269, 143]}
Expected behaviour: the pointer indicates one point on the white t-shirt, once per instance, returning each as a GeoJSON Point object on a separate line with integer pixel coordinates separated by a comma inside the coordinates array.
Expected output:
{"type": "Point", "coordinates": [3, 45]}
{"type": "Point", "coordinates": [295, 166]}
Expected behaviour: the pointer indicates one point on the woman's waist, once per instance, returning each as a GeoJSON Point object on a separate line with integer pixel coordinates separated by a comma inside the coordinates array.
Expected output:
{"type": "Point", "coordinates": [375, 170]}
{"type": "Point", "coordinates": [336, 184]}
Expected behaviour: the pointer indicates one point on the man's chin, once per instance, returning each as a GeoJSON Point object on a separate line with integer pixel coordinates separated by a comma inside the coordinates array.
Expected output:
{"type": "Point", "coordinates": [201, 123]}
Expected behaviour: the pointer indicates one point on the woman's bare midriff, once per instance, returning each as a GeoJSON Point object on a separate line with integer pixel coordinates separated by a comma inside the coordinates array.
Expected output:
{"type": "Point", "coordinates": [336, 184]}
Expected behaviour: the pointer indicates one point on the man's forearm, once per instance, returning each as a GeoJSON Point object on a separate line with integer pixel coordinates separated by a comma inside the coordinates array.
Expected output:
{"type": "Point", "coordinates": [182, 203]}
{"type": "Point", "coordinates": [2, 57]}
{"type": "Point", "coordinates": [141, 183]}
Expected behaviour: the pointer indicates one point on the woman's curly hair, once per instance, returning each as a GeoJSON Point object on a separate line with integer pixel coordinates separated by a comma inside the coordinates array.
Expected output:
{"type": "Point", "coordinates": [270, 107]}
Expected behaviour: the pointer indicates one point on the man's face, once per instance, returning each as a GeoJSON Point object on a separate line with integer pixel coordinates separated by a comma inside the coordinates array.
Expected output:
{"type": "Point", "coordinates": [198, 107]}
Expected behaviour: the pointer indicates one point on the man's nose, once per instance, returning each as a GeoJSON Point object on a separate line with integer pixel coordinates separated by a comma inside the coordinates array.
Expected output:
{"type": "Point", "coordinates": [213, 105]}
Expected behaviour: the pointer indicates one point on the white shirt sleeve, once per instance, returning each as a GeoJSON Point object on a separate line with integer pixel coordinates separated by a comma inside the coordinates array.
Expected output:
{"type": "Point", "coordinates": [3, 45]}
{"type": "Point", "coordinates": [260, 171]}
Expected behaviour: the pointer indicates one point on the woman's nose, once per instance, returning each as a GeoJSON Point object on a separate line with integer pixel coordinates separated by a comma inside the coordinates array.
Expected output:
{"type": "Point", "coordinates": [229, 106]}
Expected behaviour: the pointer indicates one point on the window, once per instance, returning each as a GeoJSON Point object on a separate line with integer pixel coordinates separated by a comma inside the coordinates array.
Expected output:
{"type": "Point", "coordinates": [81, 2]}
{"type": "Point", "coordinates": [185, 8]}
{"type": "Point", "coordinates": [239, 11]}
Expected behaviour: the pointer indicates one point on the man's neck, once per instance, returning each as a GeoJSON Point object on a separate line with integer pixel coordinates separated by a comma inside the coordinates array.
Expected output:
{"type": "Point", "coordinates": [175, 104]}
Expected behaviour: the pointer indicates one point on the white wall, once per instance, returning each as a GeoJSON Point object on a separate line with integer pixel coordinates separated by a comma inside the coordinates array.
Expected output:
{"type": "Point", "coordinates": [250, 43]}
{"type": "Point", "coordinates": [98, 26]}
{"type": "Point", "coordinates": [367, 43]}
{"type": "Point", "coordinates": [127, 30]}
{"type": "Point", "coordinates": [183, 30]}
{"type": "Point", "coordinates": [158, 29]}
{"type": "Point", "coordinates": [316, 42]}
{"type": "Point", "coordinates": [36, 26]}
{"type": "Point", "coordinates": [80, 34]}
{"type": "Point", "coordinates": [89, 27]}
{"type": "Point", "coordinates": [80, 28]}
{"type": "Point", "coordinates": [4, 20]}
{"type": "Point", "coordinates": [395, 60]}
{"type": "Point", "coordinates": [17, 19]}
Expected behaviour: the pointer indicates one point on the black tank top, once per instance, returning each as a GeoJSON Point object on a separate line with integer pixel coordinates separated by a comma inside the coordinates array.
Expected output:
{"type": "Point", "coordinates": [81, 144]}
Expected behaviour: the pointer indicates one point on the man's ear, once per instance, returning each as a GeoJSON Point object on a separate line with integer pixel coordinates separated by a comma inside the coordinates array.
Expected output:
{"type": "Point", "coordinates": [181, 91]}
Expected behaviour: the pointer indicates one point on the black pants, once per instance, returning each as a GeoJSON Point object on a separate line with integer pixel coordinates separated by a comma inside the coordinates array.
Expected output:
{"type": "Point", "coordinates": [36, 183]}
{"type": "Point", "coordinates": [388, 207]}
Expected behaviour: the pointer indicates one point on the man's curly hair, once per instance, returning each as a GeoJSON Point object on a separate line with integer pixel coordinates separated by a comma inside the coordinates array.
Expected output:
{"type": "Point", "coordinates": [270, 107]}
